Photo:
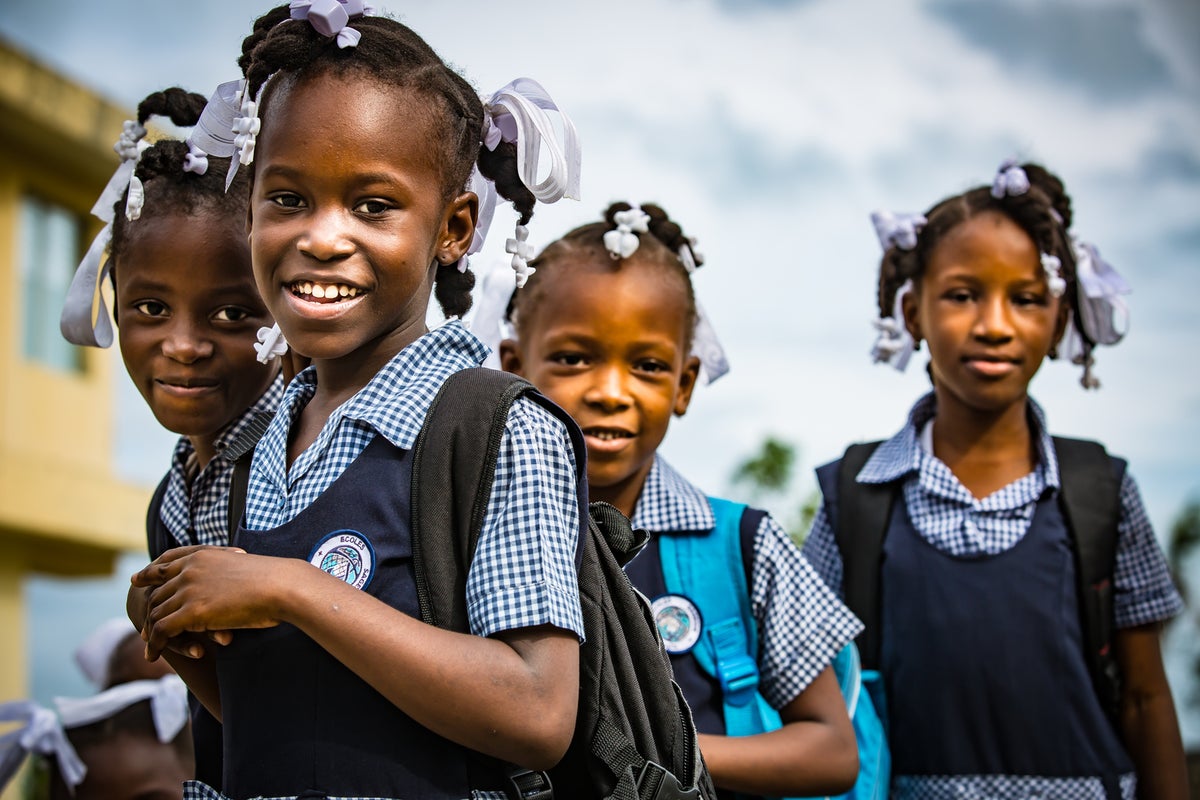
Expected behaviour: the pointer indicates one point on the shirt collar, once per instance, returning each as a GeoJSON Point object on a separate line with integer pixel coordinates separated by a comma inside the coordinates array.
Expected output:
{"type": "Point", "coordinates": [669, 502]}
{"type": "Point", "coordinates": [901, 455]}
{"type": "Point", "coordinates": [394, 402]}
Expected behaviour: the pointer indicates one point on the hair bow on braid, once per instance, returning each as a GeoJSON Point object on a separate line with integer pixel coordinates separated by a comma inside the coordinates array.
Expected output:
{"type": "Point", "coordinates": [331, 18]}
{"type": "Point", "coordinates": [897, 229]}
{"type": "Point", "coordinates": [1010, 180]}
{"type": "Point", "coordinates": [40, 732]}
{"type": "Point", "coordinates": [895, 345]}
{"type": "Point", "coordinates": [622, 241]}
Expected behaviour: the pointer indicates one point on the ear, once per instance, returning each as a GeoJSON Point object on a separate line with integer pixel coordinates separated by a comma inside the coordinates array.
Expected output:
{"type": "Point", "coordinates": [687, 384]}
{"type": "Point", "coordinates": [458, 228]}
{"type": "Point", "coordinates": [910, 308]}
{"type": "Point", "coordinates": [1060, 324]}
{"type": "Point", "coordinates": [510, 357]}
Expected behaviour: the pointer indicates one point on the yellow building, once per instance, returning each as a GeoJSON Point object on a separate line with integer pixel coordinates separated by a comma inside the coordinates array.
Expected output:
{"type": "Point", "coordinates": [62, 509]}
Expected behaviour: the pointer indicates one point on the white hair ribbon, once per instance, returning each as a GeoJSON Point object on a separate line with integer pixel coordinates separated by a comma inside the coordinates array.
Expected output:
{"type": "Point", "coordinates": [213, 132]}
{"type": "Point", "coordinates": [1052, 266]}
{"type": "Point", "coordinates": [895, 344]}
{"type": "Point", "coordinates": [622, 241]}
{"type": "Point", "coordinates": [331, 18]}
{"type": "Point", "coordinates": [271, 344]}
{"type": "Point", "coordinates": [705, 344]}
{"type": "Point", "coordinates": [1100, 289]}
{"type": "Point", "coordinates": [129, 146]}
{"type": "Point", "coordinates": [485, 190]}
{"type": "Point", "coordinates": [40, 733]}
{"type": "Point", "coordinates": [168, 705]}
{"type": "Point", "coordinates": [1010, 180]}
{"type": "Point", "coordinates": [94, 654]}
{"type": "Point", "coordinates": [85, 320]}
{"type": "Point", "coordinates": [522, 252]}
{"type": "Point", "coordinates": [196, 159]}
{"type": "Point", "coordinates": [517, 113]}
{"type": "Point", "coordinates": [897, 230]}
{"type": "Point", "coordinates": [489, 321]}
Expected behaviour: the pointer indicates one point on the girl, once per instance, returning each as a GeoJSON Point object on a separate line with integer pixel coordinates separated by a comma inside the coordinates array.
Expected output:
{"type": "Point", "coordinates": [607, 328]}
{"type": "Point", "coordinates": [980, 638]}
{"type": "Point", "coordinates": [358, 208]}
{"type": "Point", "coordinates": [187, 311]}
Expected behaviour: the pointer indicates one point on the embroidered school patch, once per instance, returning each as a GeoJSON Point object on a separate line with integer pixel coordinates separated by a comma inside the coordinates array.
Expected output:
{"type": "Point", "coordinates": [678, 622]}
{"type": "Point", "coordinates": [347, 556]}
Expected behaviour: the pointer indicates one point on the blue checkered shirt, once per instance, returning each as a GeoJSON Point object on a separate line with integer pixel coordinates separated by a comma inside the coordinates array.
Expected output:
{"type": "Point", "coordinates": [802, 624]}
{"type": "Point", "coordinates": [195, 507]}
{"type": "Point", "coordinates": [951, 519]}
{"type": "Point", "coordinates": [523, 572]}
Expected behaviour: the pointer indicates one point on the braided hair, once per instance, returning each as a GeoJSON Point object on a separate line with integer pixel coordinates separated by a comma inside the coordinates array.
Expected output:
{"type": "Point", "coordinates": [169, 189]}
{"type": "Point", "coordinates": [1043, 212]}
{"type": "Point", "coordinates": [289, 52]}
{"type": "Point", "coordinates": [660, 248]}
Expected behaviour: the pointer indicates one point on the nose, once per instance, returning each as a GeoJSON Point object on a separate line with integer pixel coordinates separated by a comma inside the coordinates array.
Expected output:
{"type": "Point", "coordinates": [609, 390]}
{"type": "Point", "coordinates": [994, 323]}
{"type": "Point", "coordinates": [326, 237]}
{"type": "Point", "coordinates": [186, 342]}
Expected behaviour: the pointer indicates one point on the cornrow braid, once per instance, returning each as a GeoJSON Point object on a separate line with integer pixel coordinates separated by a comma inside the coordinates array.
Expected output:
{"type": "Point", "coordinates": [394, 55]}
{"type": "Point", "coordinates": [169, 189]}
{"type": "Point", "coordinates": [586, 243]}
{"type": "Point", "coordinates": [1043, 212]}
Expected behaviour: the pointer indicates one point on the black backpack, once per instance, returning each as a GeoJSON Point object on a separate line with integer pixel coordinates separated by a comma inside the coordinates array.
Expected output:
{"type": "Point", "coordinates": [634, 737]}
{"type": "Point", "coordinates": [1090, 501]}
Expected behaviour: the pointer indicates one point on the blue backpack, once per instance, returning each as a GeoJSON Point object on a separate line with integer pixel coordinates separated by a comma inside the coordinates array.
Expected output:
{"type": "Point", "coordinates": [698, 567]}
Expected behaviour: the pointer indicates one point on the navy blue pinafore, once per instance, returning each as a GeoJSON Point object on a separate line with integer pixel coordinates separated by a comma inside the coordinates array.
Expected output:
{"type": "Point", "coordinates": [296, 720]}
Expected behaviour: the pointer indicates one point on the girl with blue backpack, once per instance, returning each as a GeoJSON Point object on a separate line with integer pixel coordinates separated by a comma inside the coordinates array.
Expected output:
{"type": "Point", "coordinates": [1010, 583]}
{"type": "Point", "coordinates": [609, 328]}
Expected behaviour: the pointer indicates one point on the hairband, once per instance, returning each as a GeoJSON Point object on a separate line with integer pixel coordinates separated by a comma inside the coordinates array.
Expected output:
{"type": "Point", "coordinates": [94, 654]}
{"type": "Point", "coordinates": [168, 705]}
{"type": "Point", "coordinates": [517, 113]}
{"type": "Point", "coordinates": [40, 732]}
{"type": "Point", "coordinates": [85, 320]}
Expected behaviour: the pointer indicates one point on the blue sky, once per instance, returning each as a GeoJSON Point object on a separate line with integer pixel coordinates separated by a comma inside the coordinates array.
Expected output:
{"type": "Point", "coordinates": [770, 129]}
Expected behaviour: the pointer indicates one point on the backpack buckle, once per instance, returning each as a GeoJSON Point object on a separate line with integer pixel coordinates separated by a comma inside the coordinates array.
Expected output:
{"type": "Point", "coordinates": [739, 679]}
{"type": "Point", "coordinates": [656, 782]}
{"type": "Point", "coordinates": [526, 784]}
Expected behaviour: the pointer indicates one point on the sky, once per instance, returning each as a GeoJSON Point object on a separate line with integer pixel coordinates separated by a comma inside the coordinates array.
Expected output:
{"type": "Point", "coordinates": [770, 129]}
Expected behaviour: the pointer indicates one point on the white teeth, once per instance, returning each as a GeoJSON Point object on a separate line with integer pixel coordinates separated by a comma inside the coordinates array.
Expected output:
{"type": "Point", "coordinates": [325, 290]}
{"type": "Point", "coordinates": [608, 436]}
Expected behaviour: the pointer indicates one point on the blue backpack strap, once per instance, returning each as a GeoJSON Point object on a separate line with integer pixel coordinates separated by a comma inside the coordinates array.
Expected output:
{"type": "Point", "coordinates": [697, 566]}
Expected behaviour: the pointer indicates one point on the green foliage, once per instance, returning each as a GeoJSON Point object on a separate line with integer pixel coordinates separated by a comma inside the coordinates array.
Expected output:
{"type": "Point", "coordinates": [768, 471]}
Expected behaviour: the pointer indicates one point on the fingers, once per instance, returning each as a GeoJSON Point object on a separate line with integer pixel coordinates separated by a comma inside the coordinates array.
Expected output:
{"type": "Point", "coordinates": [170, 563]}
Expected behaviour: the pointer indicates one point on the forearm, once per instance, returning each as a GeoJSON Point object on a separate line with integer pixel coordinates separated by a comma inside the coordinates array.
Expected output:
{"type": "Point", "coordinates": [1151, 734]}
{"type": "Point", "coordinates": [512, 697]}
{"type": "Point", "coordinates": [200, 675]}
{"type": "Point", "coordinates": [808, 758]}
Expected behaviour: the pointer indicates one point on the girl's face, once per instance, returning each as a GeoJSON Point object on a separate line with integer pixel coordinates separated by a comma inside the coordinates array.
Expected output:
{"type": "Point", "coordinates": [128, 766]}
{"type": "Point", "coordinates": [188, 312]}
{"type": "Point", "coordinates": [608, 347]}
{"type": "Point", "coordinates": [983, 306]}
{"type": "Point", "coordinates": [348, 219]}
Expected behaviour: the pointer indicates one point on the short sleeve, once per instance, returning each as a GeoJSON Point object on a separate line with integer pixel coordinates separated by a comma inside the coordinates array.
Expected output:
{"type": "Point", "coordinates": [820, 548]}
{"type": "Point", "coordinates": [802, 624]}
{"type": "Point", "coordinates": [1144, 591]}
{"type": "Point", "coordinates": [523, 573]}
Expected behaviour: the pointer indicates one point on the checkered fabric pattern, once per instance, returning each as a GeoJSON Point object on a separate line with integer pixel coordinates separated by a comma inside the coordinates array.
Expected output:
{"type": "Point", "coordinates": [950, 518]}
{"type": "Point", "coordinates": [197, 511]}
{"type": "Point", "coordinates": [523, 573]}
{"type": "Point", "coordinates": [803, 625]}
{"type": "Point", "coordinates": [195, 790]}
{"type": "Point", "coordinates": [1002, 787]}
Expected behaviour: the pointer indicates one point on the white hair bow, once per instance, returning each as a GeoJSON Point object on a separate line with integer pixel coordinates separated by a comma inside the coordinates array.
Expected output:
{"type": "Point", "coordinates": [894, 345]}
{"type": "Point", "coordinates": [622, 241]}
{"type": "Point", "coordinates": [39, 732]}
{"type": "Point", "coordinates": [271, 344]}
{"type": "Point", "coordinates": [897, 230]}
{"type": "Point", "coordinates": [168, 705]}
{"type": "Point", "coordinates": [331, 18]}
{"type": "Point", "coordinates": [705, 344]}
{"type": "Point", "coordinates": [1010, 180]}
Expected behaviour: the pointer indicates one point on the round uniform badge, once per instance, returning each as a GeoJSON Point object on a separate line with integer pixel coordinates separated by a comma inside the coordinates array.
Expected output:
{"type": "Point", "coordinates": [678, 622]}
{"type": "Point", "coordinates": [347, 556]}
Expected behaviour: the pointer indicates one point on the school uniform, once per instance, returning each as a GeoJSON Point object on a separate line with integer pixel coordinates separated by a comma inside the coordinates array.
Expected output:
{"type": "Point", "coordinates": [989, 694]}
{"type": "Point", "coordinates": [296, 719]}
{"type": "Point", "coordinates": [802, 625]}
{"type": "Point", "coordinates": [195, 507]}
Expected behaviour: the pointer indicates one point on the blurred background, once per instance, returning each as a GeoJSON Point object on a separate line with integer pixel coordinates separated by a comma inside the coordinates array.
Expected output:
{"type": "Point", "coordinates": [769, 130]}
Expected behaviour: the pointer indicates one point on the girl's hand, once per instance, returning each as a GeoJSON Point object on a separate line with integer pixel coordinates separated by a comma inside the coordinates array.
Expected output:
{"type": "Point", "coordinates": [210, 589]}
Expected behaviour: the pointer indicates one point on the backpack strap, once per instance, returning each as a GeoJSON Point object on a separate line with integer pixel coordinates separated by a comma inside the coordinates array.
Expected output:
{"type": "Point", "coordinates": [697, 566]}
{"type": "Point", "coordinates": [1091, 502]}
{"type": "Point", "coordinates": [241, 452]}
{"type": "Point", "coordinates": [862, 514]}
{"type": "Point", "coordinates": [158, 539]}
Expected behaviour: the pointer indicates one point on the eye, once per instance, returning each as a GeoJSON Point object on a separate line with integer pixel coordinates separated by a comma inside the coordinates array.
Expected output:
{"type": "Point", "coordinates": [652, 366]}
{"type": "Point", "coordinates": [231, 314]}
{"type": "Point", "coordinates": [958, 295]}
{"type": "Point", "coordinates": [372, 207]}
{"type": "Point", "coordinates": [287, 200]}
{"type": "Point", "coordinates": [1029, 299]}
{"type": "Point", "coordinates": [569, 359]}
{"type": "Point", "coordinates": [151, 308]}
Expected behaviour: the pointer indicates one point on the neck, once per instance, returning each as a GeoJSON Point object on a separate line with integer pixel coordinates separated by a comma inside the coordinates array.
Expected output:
{"type": "Point", "coordinates": [986, 450]}
{"type": "Point", "coordinates": [622, 495]}
{"type": "Point", "coordinates": [205, 449]}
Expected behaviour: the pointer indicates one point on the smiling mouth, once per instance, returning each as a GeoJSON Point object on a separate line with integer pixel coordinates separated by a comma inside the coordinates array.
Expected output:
{"type": "Point", "coordinates": [313, 292]}
{"type": "Point", "coordinates": [607, 434]}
